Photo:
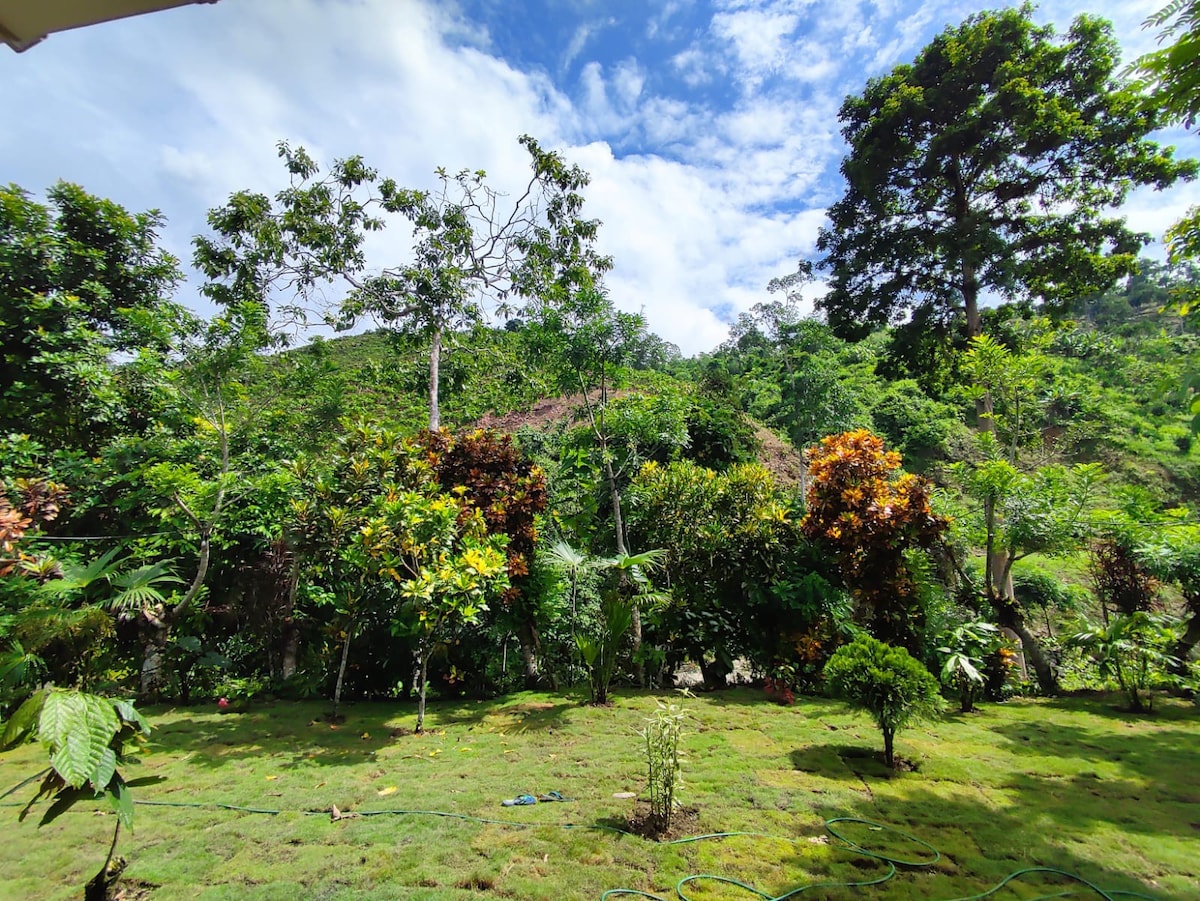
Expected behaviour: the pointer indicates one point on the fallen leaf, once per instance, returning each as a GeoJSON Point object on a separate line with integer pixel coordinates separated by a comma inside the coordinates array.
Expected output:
{"type": "Point", "coordinates": [365, 736]}
{"type": "Point", "coordinates": [384, 792]}
{"type": "Point", "coordinates": [272, 778]}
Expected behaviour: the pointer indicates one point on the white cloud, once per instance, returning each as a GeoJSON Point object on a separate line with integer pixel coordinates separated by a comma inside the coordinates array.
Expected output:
{"type": "Point", "coordinates": [703, 201]}
{"type": "Point", "coordinates": [694, 66]}
{"type": "Point", "coordinates": [758, 40]}
{"type": "Point", "coordinates": [579, 39]}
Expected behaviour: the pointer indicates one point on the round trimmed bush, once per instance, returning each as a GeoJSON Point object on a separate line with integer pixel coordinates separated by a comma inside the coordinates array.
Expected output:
{"type": "Point", "coordinates": [886, 682]}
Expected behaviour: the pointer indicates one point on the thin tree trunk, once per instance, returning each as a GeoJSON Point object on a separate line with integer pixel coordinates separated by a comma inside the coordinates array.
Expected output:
{"type": "Point", "coordinates": [889, 738]}
{"type": "Point", "coordinates": [337, 691]}
{"type": "Point", "coordinates": [435, 363]}
{"type": "Point", "coordinates": [531, 646]}
{"type": "Point", "coordinates": [639, 668]}
{"type": "Point", "coordinates": [291, 632]}
{"type": "Point", "coordinates": [97, 888]}
{"type": "Point", "coordinates": [424, 675]}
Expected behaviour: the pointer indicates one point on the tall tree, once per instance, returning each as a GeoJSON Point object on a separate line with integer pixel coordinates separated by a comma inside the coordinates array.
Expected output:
{"type": "Point", "coordinates": [587, 340]}
{"type": "Point", "coordinates": [1170, 80]}
{"type": "Point", "coordinates": [990, 164]}
{"type": "Point", "coordinates": [468, 240]}
{"type": "Point", "coordinates": [1170, 76]}
{"type": "Point", "coordinates": [81, 279]}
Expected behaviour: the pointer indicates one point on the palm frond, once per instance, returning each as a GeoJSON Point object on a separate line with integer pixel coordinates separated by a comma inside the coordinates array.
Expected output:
{"type": "Point", "coordinates": [78, 577]}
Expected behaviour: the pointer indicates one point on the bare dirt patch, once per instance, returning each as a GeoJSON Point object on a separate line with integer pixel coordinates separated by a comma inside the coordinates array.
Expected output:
{"type": "Point", "coordinates": [782, 460]}
{"type": "Point", "coordinates": [647, 824]}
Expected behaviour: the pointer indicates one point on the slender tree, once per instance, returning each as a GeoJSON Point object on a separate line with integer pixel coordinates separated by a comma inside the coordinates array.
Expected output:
{"type": "Point", "coordinates": [468, 243]}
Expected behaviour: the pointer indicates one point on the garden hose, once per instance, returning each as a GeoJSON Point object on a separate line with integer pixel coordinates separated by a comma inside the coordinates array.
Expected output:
{"type": "Point", "coordinates": [893, 862]}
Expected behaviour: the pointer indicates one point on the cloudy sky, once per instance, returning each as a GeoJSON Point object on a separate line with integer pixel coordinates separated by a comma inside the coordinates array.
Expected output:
{"type": "Point", "coordinates": [710, 128]}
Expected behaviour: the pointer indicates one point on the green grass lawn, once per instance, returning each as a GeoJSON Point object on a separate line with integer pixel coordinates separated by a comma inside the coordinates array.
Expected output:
{"type": "Point", "coordinates": [1075, 784]}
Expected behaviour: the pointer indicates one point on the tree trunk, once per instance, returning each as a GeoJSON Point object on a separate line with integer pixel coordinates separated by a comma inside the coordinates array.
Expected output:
{"type": "Point", "coordinates": [152, 660]}
{"type": "Point", "coordinates": [531, 647]}
{"type": "Point", "coordinates": [337, 690]}
{"type": "Point", "coordinates": [423, 678]}
{"type": "Point", "coordinates": [1189, 639]}
{"type": "Point", "coordinates": [967, 271]}
{"type": "Point", "coordinates": [622, 550]}
{"type": "Point", "coordinates": [435, 363]}
{"type": "Point", "coordinates": [291, 649]}
{"type": "Point", "coordinates": [97, 887]}
{"type": "Point", "coordinates": [290, 640]}
{"type": "Point", "coordinates": [1011, 618]}
{"type": "Point", "coordinates": [889, 737]}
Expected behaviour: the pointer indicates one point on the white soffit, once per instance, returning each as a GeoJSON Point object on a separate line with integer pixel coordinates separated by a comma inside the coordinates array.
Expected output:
{"type": "Point", "coordinates": [25, 22]}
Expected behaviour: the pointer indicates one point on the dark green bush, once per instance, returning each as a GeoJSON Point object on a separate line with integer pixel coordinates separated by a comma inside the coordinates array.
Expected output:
{"type": "Point", "coordinates": [886, 682]}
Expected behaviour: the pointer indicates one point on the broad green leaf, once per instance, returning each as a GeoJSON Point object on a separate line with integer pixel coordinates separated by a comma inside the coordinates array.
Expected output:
{"type": "Point", "coordinates": [130, 714]}
{"type": "Point", "coordinates": [106, 768]}
{"type": "Point", "coordinates": [121, 800]}
{"type": "Point", "coordinates": [21, 725]}
{"type": "Point", "coordinates": [78, 728]}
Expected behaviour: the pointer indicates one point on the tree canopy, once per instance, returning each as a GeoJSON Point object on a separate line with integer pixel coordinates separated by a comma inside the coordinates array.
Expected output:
{"type": "Point", "coordinates": [990, 164]}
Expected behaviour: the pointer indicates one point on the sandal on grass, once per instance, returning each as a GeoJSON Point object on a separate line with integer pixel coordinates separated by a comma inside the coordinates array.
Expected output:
{"type": "Point", "coordinates": [519, 801]}
{"type": "Point", "coordinates": [553, 796]}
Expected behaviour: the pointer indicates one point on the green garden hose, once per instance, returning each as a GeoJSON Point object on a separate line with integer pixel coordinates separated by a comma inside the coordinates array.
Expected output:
{"type": "Point", "coordinates": [892, 864]}
{"type": "Point", "coordinates": [848, 844]}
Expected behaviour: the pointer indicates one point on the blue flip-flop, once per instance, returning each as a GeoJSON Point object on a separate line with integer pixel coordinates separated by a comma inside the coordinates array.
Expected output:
{"type": "Point", "coordinates": [553, 796]}
{"type": "Point", "coordinates": [519, 801]}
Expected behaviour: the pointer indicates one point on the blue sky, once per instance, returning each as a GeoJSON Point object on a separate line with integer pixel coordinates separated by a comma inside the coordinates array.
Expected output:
{"type": "Point", "coordinates": [710, 129]}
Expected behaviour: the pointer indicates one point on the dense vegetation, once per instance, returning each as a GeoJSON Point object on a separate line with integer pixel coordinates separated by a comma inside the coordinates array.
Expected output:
{"type": "Point", "coordinates": [512, 484]}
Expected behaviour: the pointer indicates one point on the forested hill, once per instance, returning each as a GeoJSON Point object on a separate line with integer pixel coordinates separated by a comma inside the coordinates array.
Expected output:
{"type": "Point", "coordinates": [1108, 386]}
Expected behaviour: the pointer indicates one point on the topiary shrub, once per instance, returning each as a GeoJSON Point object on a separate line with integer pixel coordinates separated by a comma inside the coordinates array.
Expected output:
{"type": "Point", "coordinates": [886, 682]}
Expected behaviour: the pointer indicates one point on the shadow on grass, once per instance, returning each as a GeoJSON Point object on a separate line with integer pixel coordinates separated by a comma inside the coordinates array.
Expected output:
{"type": "Point", "coordinates": [1115, 705]}
{"type": "Point", "coordinates": [298, 730]}
{"type": "Point", "coordinates": [301, 732]}
{"type": "Point", "coordinates": [1158, 756]}
{"type": "Point", "coordinates": [518, 716]}
{"type": "Point", "coordinates": [991, 844]}
{"type": "Point", "coordinates": [851, 762]}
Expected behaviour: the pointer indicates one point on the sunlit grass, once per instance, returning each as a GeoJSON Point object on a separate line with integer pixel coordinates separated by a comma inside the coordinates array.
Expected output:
{"type": "Point", "coordinates": [1074, 784]}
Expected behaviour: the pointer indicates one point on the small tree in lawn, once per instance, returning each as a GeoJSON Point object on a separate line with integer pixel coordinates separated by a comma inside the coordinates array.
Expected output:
{"type": "Point", "coordinates": [661, 733]}
{"type": "Point", "coordinates": [437, 549]}
{"type": "Point", "coordinates": [886, 682]}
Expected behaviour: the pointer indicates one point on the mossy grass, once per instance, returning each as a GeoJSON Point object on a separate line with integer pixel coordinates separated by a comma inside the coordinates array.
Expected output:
{"type": "Point", "coordinates": [1073, 783]}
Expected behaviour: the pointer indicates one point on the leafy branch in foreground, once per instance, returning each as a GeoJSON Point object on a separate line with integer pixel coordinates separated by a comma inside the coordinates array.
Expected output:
{"type": "Point", "coordinates": [87, 737]}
